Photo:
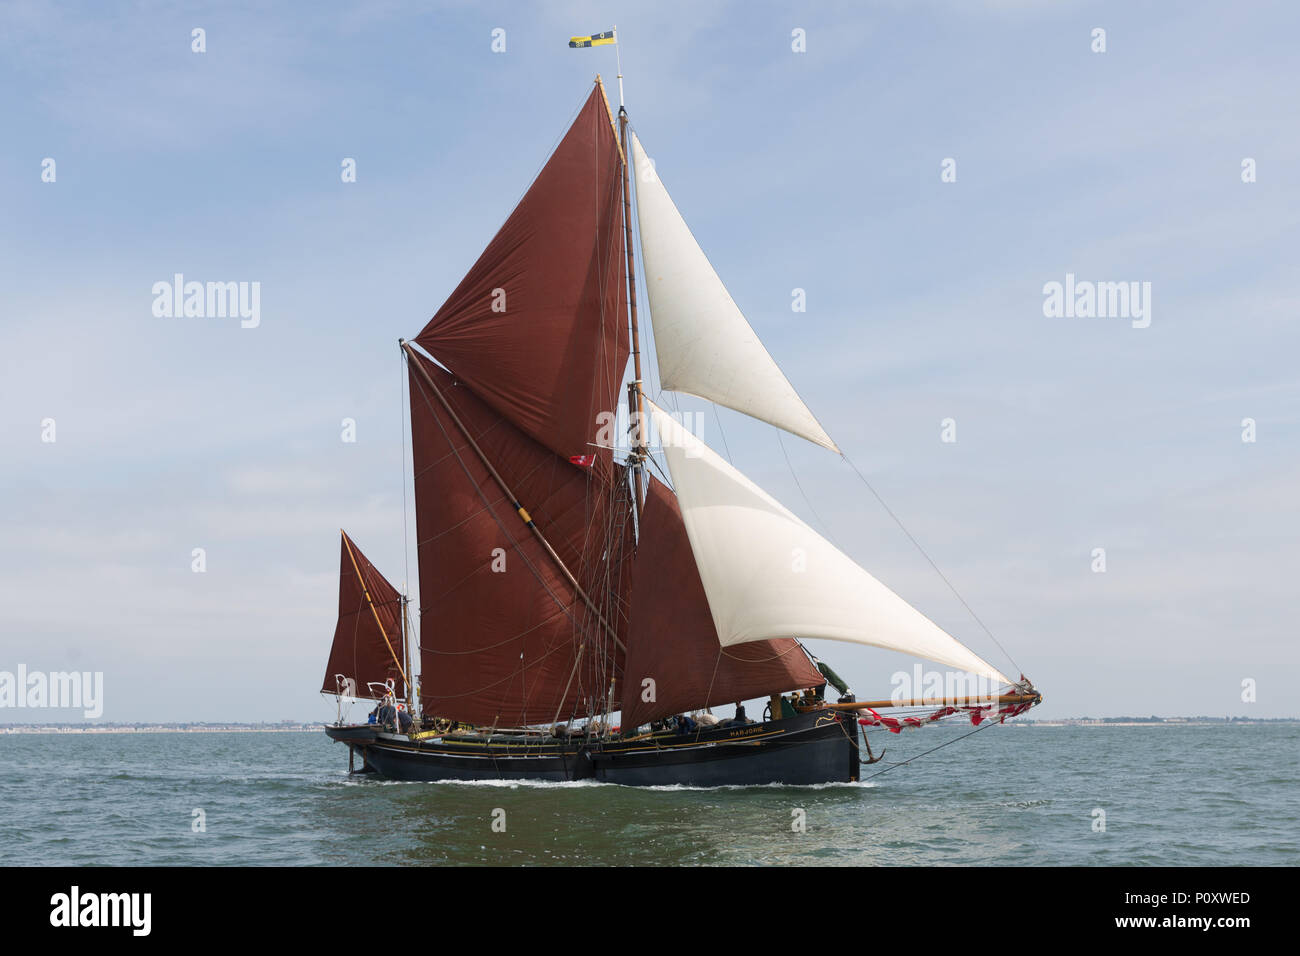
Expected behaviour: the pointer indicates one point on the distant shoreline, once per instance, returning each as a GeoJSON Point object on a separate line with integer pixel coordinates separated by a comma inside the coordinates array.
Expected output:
{"type": "Point", "coordinates": [1163, 722]}
{"type": "Point", "coordinates": [161, 728]}
{"type": "Point", "coordinates": [299, 727]}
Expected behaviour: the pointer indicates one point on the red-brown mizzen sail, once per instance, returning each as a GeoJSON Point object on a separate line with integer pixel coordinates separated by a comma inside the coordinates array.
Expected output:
{"type": "Point", "coordinates": [368, 640]}
{"type": "Point", "coordinates": [505, 638]}
{"type": "Point", "coordinates": [673, 642]}
{"type": "Point", "coordinates": [538, 327]}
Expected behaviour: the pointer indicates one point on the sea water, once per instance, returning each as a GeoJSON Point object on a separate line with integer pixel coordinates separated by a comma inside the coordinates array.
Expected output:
{"type": "Point", "coordinates": [1180, 795]}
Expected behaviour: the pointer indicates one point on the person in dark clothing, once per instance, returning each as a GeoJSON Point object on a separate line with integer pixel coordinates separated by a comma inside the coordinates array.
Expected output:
{"type": "Point", "coordinates": [740, 713]}
{"type": "Point", "coordinates": [685, 725]}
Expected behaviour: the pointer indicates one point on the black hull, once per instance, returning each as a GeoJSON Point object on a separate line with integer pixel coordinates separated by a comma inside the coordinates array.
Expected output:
{"type": "Point", "coordinates": [808, 749]}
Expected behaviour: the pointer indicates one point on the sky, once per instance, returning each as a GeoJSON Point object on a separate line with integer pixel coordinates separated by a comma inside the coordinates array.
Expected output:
{"type": "Point", "coordinates": [822, 170]}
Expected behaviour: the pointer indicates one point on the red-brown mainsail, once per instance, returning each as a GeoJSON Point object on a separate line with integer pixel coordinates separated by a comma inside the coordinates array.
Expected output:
{"type": "Point", "coordinates": [368, 640]}
{"type": "Point", "coordinates": [672, 639]}
{"type": "Point", "coordinates": [536, 340]}
{"type": "Point", "coordinates": [505, 638]}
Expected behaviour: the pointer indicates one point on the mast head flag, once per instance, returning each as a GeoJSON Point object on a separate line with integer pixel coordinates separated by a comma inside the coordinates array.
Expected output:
{"type": "Point", "coordinates": [596, 39]}
{"type": "Point", "coordinates": [608, 38]}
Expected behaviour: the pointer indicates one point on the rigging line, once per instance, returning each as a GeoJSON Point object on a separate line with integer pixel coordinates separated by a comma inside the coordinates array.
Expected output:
{"type": "Point", "coordinates": [717, 662]}
{"type": "Point", "coordinates": [497, 683]}
{"type": "Point", "coordinates": [667, 479]}
{"type": "Point", "coordinates": [811, 656]}
{"type": "Point", "coordinates": [927, 557]}
{"type": "Point", "coordinates": [725, 446]}
{"type": "Point", "coordinates": [904, 763]}
{"type": "Point", "coordinates": [763, 660]}
{"type": "Point", "coordinates": [825, 527]}
{"type": "Point", "coordinates": [670, 403]}
{"type": "Point", "coordinates": [485, 648]}
{"type": "Point", "coordinates": [356, 631]}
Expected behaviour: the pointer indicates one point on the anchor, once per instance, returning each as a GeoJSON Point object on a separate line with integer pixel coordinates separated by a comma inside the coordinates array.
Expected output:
{"type": "Point", "coordinates": [866, 743]}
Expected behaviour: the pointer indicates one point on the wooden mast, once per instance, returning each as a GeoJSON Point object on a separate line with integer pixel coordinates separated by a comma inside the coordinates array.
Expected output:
{"type": "Point", "coordinates": [635, 385]}
{"type": "Point", "coordinates": [636, 405]}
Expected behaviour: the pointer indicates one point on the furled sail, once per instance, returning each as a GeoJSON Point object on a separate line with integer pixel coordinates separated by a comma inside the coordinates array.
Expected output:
{"type": "Point", "coordinates": [368, 640]}
{"type": "Point", "coordinates": [702, 341]}
{"type": "Point", "coordinates": [538, 327]}
{"type": "Point", "coordinates": [768, 575]}
{"type": "Point", "coordinates": [505, 639]}
{"type": "Point", "coordinates": [674, 660]}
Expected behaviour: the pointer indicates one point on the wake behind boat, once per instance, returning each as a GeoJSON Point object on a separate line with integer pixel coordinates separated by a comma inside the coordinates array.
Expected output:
{"type": "Point", "coordinates": [561, 586]}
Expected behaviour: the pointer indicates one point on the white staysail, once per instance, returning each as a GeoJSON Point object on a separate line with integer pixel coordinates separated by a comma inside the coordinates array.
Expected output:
{"type": "Point", "coordinates": [703, 343]}
{"type": "Point", "coordinates": [768, 575]}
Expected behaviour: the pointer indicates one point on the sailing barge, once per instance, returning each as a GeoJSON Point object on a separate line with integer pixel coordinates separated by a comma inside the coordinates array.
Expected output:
{"type": "Point", "coordinates": [560, 586]}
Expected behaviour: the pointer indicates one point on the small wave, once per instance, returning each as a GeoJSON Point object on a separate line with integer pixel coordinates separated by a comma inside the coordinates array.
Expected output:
{"type": "Point", "coordinates": [832, 785]}
{"type": "Point", "coordinates": [368, 780]}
